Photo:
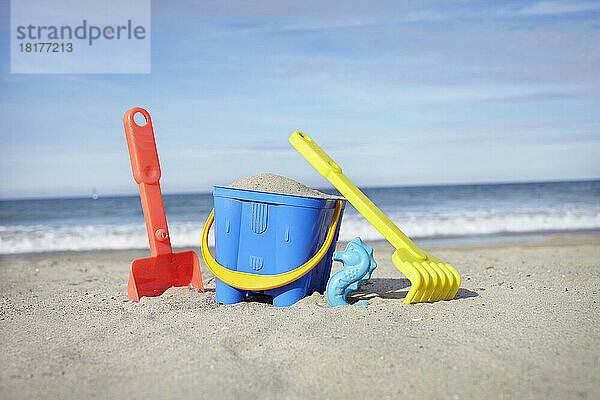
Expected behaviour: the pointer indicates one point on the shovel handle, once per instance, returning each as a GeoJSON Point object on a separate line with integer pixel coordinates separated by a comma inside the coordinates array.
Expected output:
{"type": "Point", "coordinates": [146, 172]}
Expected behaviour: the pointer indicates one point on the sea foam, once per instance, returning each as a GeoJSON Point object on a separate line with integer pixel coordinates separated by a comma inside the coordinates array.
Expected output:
{"type": "Point", "coordinates": [418, 225]}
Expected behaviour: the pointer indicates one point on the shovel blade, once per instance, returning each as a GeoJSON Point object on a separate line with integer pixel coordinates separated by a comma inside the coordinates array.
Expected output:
{"type": "Point", "coordinates": [151, 276]}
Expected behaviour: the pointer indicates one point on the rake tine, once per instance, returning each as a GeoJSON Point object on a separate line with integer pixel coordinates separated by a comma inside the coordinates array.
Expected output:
{"type": "Point", "coordinates": [444, 282]}
{"type": "Point", "coordinates": [434, 279]}
{"type": "Point", "coordinates": [435, 296]}
{"type": "Point", "coordinates": [457, 280]}
{"type": "Point", "coordinates": [449, 280]}
{"type": "Point", "coordinates": [426, 281]}
{"type": "Point", "coordinates": [415, 278]}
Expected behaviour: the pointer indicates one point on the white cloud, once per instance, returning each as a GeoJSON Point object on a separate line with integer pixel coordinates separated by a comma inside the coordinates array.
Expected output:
{"type": "Point", "coordinates": [558, 7]}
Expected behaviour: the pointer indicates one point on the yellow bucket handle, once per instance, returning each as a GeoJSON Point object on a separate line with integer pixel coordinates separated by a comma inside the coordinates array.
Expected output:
{"type": "Point", "coordinates": [247, 281]}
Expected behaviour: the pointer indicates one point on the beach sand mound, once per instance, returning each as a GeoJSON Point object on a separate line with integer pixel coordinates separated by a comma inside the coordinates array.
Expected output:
{"type": "Point", "coordinates": [277, 184]}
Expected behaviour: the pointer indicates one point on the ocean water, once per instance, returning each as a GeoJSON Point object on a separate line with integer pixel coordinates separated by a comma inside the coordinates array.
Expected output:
{"type": "Point", "coordinates": [461, 212]}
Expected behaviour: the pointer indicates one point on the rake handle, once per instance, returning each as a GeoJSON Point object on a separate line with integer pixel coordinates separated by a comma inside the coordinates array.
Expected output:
{"type": "Point", "coordinates": [330, 170]}
{"type": "Point", "coordinates": [146, 172]}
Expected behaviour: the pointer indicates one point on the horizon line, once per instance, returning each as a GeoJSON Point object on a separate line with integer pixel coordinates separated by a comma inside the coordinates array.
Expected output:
{"type": "Point", "coordinates": [112, 195]}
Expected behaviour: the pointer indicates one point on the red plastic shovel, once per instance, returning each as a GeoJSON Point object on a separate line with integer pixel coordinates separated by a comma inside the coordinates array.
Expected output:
{"type": "Point", "coordinates": [153, 275]}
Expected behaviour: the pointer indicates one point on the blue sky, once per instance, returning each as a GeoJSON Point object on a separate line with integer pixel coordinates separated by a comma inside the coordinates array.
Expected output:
{"type": "Point", "coordinates": [399, 93]}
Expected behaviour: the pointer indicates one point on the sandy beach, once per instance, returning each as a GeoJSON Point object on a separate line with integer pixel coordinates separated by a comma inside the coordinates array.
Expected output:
{"type": "Point", "coordinates": [525, 323]}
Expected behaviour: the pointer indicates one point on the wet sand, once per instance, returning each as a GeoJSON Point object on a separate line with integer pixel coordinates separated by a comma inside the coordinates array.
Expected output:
{"type": "Point", "coordinates": [525, 323]}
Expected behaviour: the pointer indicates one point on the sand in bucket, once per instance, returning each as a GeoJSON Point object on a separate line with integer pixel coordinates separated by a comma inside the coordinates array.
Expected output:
{"type": "Point", "coordinates": [278, 184]}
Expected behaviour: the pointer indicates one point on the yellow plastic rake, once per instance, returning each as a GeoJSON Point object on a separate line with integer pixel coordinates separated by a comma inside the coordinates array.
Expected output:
{"type": "Point", "coordinates": [431, 279]}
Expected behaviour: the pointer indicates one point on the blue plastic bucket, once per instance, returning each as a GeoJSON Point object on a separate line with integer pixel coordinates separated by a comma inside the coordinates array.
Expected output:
{"type": "Point", "coordinates": [270, 233]}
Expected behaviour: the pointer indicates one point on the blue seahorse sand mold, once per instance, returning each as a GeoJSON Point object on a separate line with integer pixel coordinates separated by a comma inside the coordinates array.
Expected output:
{"type": "Point", "coordinates": [358, 266]}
